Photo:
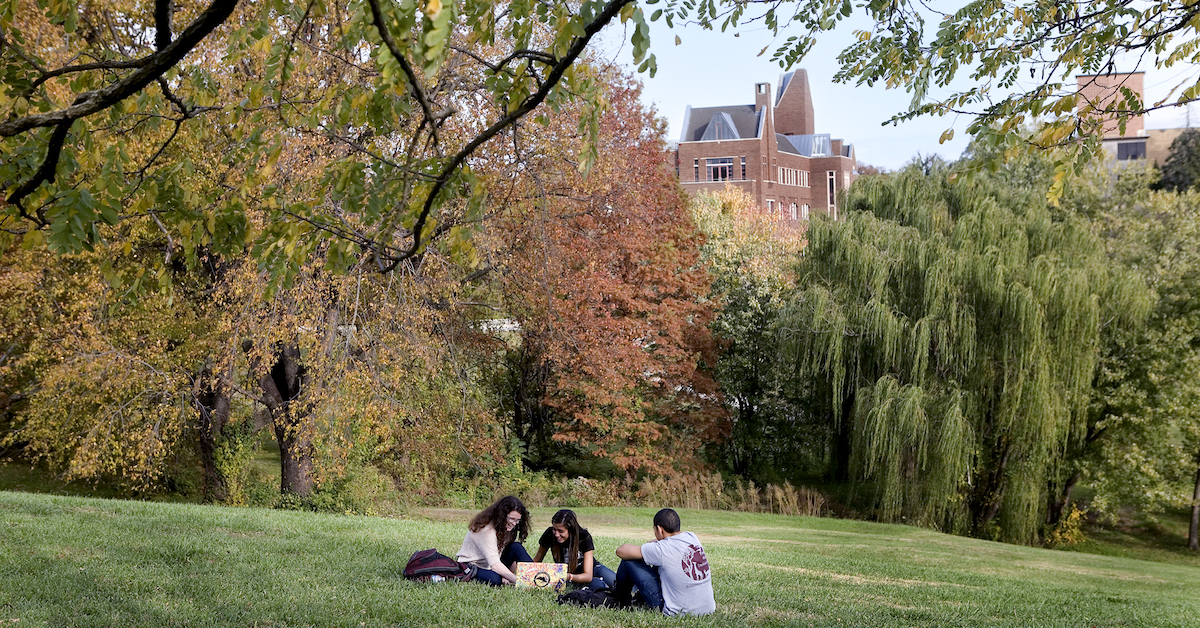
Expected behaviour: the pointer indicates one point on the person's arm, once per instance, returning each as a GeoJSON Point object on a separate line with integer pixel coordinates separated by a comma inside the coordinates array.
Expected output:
{"type": "Point", "coordinates": [499, 567]}
{"type": "Point", "coordinates": [541, 553]}
{"type": "Point", "coordinates": [629, 551]}
{"type": "Point", "coordinates": [585, 576]}
{"type": "Point", "coordinates": [493, 557]}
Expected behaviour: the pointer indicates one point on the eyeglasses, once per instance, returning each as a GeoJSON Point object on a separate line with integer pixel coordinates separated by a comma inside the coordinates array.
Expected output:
{"type": "Point", "coordinates": [516, 519]}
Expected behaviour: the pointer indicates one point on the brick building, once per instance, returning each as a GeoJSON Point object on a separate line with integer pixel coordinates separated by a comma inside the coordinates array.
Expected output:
{"type": "Point", "coordinates": [1102, 91]}
{"type": "Point", "coordinates": [1137, 142]}
{"type": "Point", "coordinates": [769, 149]}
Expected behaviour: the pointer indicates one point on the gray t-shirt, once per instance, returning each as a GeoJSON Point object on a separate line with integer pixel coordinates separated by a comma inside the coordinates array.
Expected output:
{"type": "Point", "coordinates": [684, 572]}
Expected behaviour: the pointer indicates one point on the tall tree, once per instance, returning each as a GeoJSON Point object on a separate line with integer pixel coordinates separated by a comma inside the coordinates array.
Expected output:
{"type": "Point", "coordinates": [749, 252]}
{"type": "Point", "coordinates": [1143, 436]}
{"type": "Point", "coordinates": [956, 325]}
{"type": "Point", "coordinates": [602, 274]}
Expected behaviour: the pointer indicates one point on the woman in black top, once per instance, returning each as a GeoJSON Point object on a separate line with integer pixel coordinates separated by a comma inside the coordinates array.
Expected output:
{"type": "Point", "coordinates": [573, 545]}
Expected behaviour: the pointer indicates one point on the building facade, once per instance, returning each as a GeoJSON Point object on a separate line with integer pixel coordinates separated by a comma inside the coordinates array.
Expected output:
{"type": "Point", "coordinates": [1106, 91]}
{"type": "Point", "coordinates": [770, 149]}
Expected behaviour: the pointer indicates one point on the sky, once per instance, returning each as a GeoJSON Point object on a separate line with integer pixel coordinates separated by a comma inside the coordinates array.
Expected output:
{"type": "Point", "coordinates": [710, 69]}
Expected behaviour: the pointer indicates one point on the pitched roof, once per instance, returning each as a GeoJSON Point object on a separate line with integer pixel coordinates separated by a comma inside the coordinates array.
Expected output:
{"type": "Point", "coordinates": [783, 84]}
{"type": "Point", "coordinates": [743, 119]}
{"type": "Point", "coordinates": [721, 128]}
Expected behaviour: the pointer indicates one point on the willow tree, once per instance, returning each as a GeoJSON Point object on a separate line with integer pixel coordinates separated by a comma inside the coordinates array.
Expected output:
{"type": "Point", "coordinates": [956, 327]}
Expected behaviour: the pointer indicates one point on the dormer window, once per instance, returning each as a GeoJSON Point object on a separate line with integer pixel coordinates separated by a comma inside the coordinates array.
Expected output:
{"type": "Point", "coordinates": [721, 127]}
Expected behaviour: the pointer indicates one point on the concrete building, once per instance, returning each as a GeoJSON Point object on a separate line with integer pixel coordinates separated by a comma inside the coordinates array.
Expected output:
{"type": "Point", "coordinates": [770, 149]}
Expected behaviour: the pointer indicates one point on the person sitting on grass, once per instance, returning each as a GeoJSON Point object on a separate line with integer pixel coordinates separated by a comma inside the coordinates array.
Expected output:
{"type": "Point", "coordinates": [493, 541]}
{"type": "Point", "coordinates": [568, 543]}
{"type": "Point", "coordinates": [671, 573]}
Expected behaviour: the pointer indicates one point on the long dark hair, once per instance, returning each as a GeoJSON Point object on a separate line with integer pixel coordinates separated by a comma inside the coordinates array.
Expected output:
{"type": "Point", "coordinates": [567, 519]}
{"type": "Point", "coordinates": [496, 516]}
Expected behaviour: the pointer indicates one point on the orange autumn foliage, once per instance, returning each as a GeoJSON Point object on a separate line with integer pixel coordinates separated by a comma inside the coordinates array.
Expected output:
{"type": "Point", "coordinates": [603, 275]}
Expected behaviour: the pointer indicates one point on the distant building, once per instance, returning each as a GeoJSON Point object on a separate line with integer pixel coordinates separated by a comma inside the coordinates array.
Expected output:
{"type": "Point", "coordinates": [1137, 142]}
{"type": "Point", "coordinates": [769, 149]}
{"type": "Point", "coordinates": [1101, 91]}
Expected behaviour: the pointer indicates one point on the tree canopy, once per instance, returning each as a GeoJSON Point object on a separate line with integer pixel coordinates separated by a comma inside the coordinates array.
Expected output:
{"type": "Point", "coordinates": [1181, 172]}
{"type": "Point", "coordinates": [957, 327]}
{"type": "Point", "coordinates": [111, 110]}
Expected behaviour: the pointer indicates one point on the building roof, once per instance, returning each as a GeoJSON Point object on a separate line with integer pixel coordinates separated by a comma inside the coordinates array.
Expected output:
{"type": "Point", "coordinates": [743, 120]}
{"type": "Point", "coordinates": [818, 145]}
{"type": "Point", "coordinates": [783, 84]}
{"type": "Point", "coordinates": [721, 127]}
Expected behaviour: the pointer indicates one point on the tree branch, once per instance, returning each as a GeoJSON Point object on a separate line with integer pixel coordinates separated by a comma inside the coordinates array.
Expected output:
{"type": "Point", "coordinates": [162, 23]}
{"type": "Point", "coordinates": [150, 68]}
{"type": "Point", "coordinates": [44, 174]}
{"type": "Point", "coordinates": [611, 10]}
{"type": "Point", "coordinates": [417, 90]}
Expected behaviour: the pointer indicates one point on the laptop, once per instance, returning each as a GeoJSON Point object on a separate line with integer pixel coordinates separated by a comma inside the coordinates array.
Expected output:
{"type": "Point", "coordinates": [547, 576]}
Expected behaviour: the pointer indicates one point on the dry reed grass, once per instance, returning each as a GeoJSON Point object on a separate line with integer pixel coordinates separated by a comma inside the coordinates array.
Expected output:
{"type": "Point", "coordinates": [710, 491]}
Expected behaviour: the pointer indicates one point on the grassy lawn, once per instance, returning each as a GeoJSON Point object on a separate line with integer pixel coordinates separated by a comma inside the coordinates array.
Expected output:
{"type": "Point", "coordinates": [70, 561]}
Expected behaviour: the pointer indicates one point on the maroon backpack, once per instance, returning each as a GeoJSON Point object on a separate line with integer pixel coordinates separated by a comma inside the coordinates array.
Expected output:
{"type": "Point", "coordinates": [431, 566]}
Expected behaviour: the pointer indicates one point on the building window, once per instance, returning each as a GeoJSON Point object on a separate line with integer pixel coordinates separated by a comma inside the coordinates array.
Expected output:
{"type": "Point", "coordinates": [832, 178]}
{"type": "Point", "coordinates": [1131, 150]}
{"type": "Point", "coordinates": [743, 168]}
{"type": "Point", "coordinates": [696, 168]}
{"type": "Point", "coordinates": [804, 211]}
{"type": "Point", "coordinates": [789, 176]}
{"type": "Point", "coordinates": [803, 178]}
{"type": "Point", "coordinates": [770, 206]}
{"type": "Point", "coordinates": [720, 169]}
{"type": "Point", "coordinates": [793, 211]}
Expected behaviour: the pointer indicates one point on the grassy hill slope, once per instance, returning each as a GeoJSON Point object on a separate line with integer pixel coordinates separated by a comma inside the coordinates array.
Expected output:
{"type": "Point", "coordinates": [69, 561]}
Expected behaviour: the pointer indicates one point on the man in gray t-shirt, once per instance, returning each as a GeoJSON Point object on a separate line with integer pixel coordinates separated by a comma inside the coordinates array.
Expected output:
{"type": "Point", "coordinates": [671, 574]}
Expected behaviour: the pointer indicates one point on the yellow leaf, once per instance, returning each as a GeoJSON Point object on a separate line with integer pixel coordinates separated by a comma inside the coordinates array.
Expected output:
{"type": "Point", "coordinates": [433, 8]}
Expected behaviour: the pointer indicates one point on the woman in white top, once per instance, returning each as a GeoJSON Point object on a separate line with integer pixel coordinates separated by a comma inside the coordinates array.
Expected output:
{"type": "Point", "coordinates": [493, 541]}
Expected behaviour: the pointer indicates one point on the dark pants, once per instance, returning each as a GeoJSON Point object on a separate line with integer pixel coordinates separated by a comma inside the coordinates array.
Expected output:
{"type": "Point", "coordinates": [514, 553]}
{"type": "Point", "coordinates": [636, 573]}
{"type": "Point", "coordinates": [602, 576]}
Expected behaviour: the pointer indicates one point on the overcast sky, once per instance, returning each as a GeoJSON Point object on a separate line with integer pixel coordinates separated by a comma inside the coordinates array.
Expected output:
{"type": "Point", "coordinates": [711, 69]}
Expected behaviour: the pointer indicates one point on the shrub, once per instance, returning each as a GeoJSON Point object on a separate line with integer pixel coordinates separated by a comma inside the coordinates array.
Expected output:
{"type": "Point", "coordinates": [1068, 531]}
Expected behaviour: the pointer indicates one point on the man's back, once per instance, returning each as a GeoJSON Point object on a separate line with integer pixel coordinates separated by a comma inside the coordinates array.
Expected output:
{"type": "Point", "coordinates": [685, 574]}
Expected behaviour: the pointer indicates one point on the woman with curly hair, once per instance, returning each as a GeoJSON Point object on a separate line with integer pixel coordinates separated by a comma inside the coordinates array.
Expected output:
{"type": "Point", "coordinates": [493, 541]}
{"type": "Point", "coordinates": [569, 543]}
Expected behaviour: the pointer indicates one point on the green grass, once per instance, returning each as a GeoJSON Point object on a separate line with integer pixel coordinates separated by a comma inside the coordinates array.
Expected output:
{"type": "Point", "coordinates": [18, 476]}
{"type": "Point", "coordinates": [70, 561]}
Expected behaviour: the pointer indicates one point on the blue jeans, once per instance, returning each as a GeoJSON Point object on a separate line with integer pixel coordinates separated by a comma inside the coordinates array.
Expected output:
{"type": "Point", "coordinates": [636, 573]}
{"type": "Point", "coordinates": [514, 553]}
{"type": "Point", "coordinates": [602, 576]}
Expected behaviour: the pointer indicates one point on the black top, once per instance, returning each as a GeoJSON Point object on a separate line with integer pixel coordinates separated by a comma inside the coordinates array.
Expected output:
{"type": "Point", "coordinates": [585, 545]}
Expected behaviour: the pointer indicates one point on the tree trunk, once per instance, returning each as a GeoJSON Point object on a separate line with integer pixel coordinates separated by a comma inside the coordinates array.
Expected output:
{"type": "Point", "coordinates": [1194, 526]}
{"type": "Point", "coordinates": [840, 465]}
{"type": "Point", "coordinates": [988, 495]}
{"type": "Point", "coordinates": [1057, 500]}
{"type": "Point", "coordinates": [281, 387]}
{"type": "Point", "coordinates": [212, 409]}
{"type": "Point", "coordinates": [295, 458]}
